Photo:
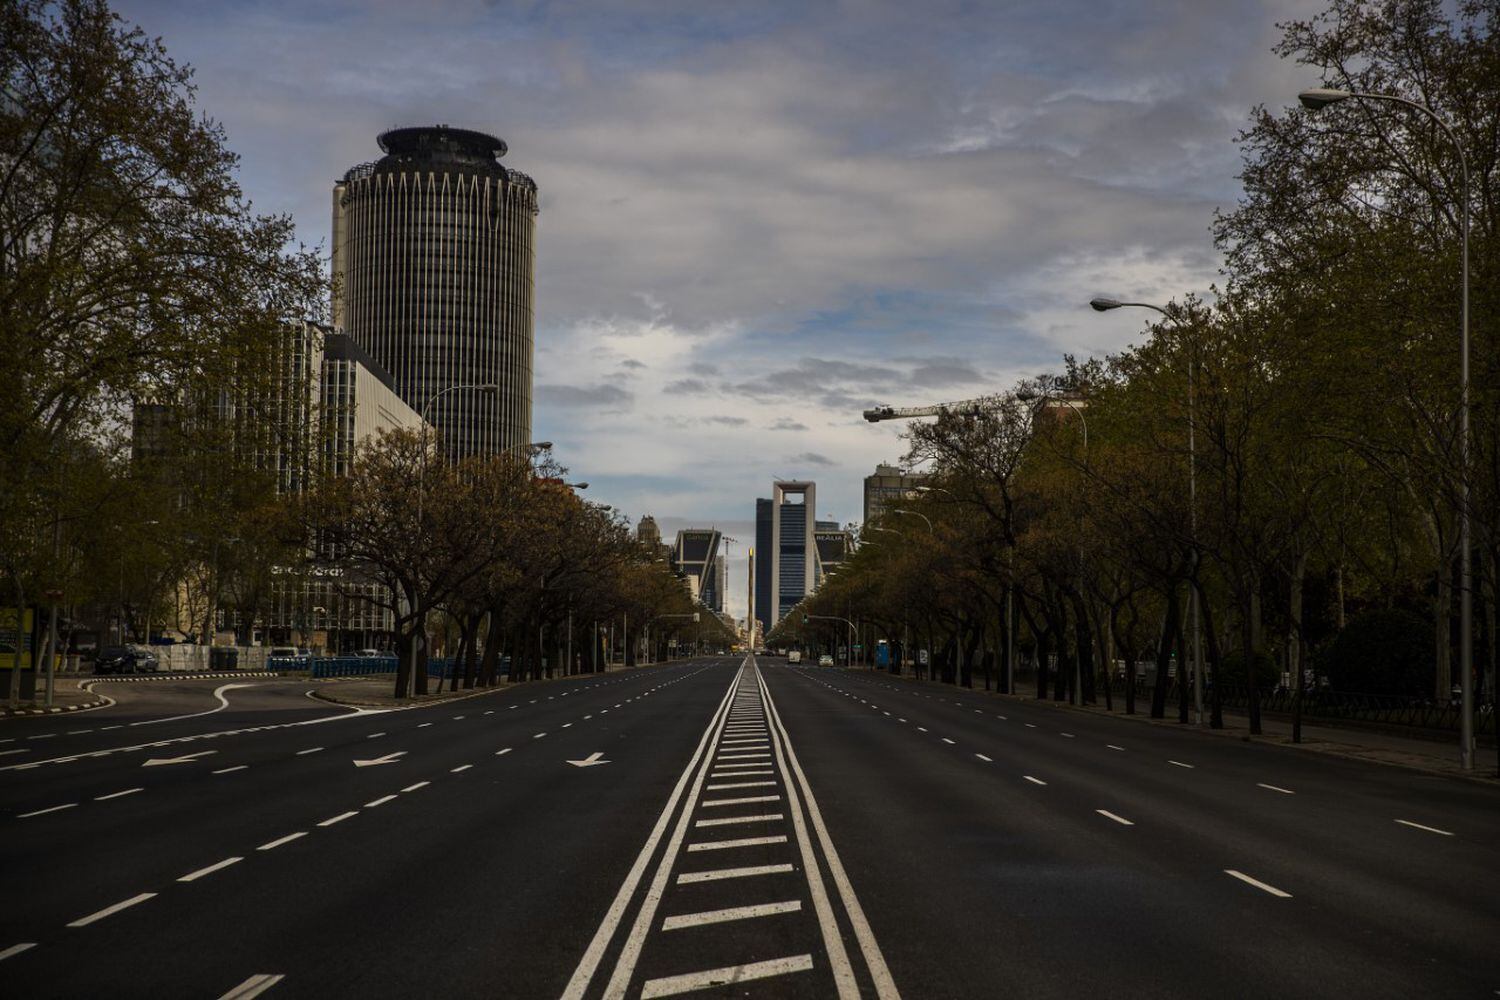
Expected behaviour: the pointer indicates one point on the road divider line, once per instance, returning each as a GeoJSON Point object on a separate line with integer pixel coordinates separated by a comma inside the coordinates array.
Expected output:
{"type": "Point", "coordinates": [1113, 747]}
{"type": "Point", "coordinates": [253, 987]}
{"type": "Point", "coordinates": [272, 845]}
{"type": "Point", "coordinates": [724, 845]}
{"type": "Point", "coordinates": [43, 812]}
{"type": "Point", "coordinates": [339, 818]}
{"type": "Point", "coordinates": [947, 741]}
{"type": "Point", "coordinates": [413, 788]}
{"type": "Point", "coordinates": [730, 820]}
{"type": "Point", "coordinates": [460, 768]}
{"type": "Point", "coordinates": [110, 911]}
{"type": "Point", "coordinates": [688, 982]}
{"type": "Point", "coordinates": [1118, 819]}
{"type": "Point", "coordinates": [16, 949]}
{"type": "Point", "coordinates": [379, 802]}
{"type": "Point", "coordinates": [583, 974]}
{"type": "Point", "coordinates": [216, 866]}
{"type": "Point", "coordinates": [1257, 883]}
{"type": "Point", "coordinates": [304, 753]}
{"type": "Point", "coordinates": [1180, 764]}
{"type": "Point", "coordinates": [725, 915]}
{"type": "Point", "coordinates": [987, 760]}
{"type": "Point", "coordinates": [1419, 826]}
{"type": "Point", "coordinates": [226, 770]}
{"type": "Point", "coordinates": [1277, 788]}
{"type": "Point", "coordinates": [1034, 781]}
{"type": "Point", "coordinates": [719, 874]}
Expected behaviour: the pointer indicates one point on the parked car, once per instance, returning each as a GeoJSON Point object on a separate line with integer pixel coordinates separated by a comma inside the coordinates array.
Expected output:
{"type": "Point", "coordinates": [283, 653]}
{"type": "Point", "coordinates": [825, 660]}
{"type": "Point", "coordinates": [126, 660]}
{"type": "Point", "coordinates": [367, 653]}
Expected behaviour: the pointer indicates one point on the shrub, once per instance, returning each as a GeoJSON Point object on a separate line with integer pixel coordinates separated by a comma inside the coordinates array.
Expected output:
{"type": "Point", "coordinates": [1232, 671]}
{"type": "Point", "coordinates": [1381, 652]}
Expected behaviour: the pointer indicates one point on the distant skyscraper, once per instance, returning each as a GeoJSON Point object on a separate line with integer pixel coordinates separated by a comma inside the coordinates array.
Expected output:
{"type": "Point", "coordinates": [888, 484]}
{"type": "Point", "coordinates": [786, 550]}
{"type": "Point", "coordinates": [433, 260]}
{"type": "Point", "coordinates": [647, 532]}
{"type": "Point", "coordinates": [697, 557]}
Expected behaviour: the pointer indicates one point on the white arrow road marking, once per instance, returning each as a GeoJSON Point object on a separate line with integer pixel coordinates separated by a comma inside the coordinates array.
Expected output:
{"type": "Point", "coordinates": [154, 761]}
{"type": "Point", "coordinates": [389, 758]}
{"type": "Point", "coordinates": [594, 758]}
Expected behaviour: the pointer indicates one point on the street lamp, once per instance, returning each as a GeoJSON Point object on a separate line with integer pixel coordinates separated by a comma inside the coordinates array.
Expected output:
{"type": "Point", "coordinates": [1104, 304]}
{"type": "Point", "coordinates": [1315, 100]}
{"type": "Point", "coordinates": [913, 513]}
{"type": "Point", "coordinates": [486, 387]}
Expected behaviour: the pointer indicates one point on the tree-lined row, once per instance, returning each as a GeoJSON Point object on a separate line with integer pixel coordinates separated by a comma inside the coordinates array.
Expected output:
{"type": "Point", "coordinates": [1288, 456]}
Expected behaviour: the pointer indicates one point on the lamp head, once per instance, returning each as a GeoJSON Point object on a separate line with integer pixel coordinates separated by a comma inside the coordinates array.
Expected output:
{"type": "Point", "coordinates": [541, 446]}
{"type": "Point", "coordinates": [1320, 97]}
{"type": "Point", "coordinates": [1102, 303]}
{"type": "Point", "coordinates": [579, 486]}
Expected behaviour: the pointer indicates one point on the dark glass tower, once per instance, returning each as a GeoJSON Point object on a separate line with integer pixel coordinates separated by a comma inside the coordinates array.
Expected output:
{"type": "Point", "coordinates": [433, 264]}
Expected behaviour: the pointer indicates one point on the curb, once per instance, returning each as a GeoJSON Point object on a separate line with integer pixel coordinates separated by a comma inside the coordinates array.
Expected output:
{"type": "Point", "coordinates": [6, 713]}
{"type": "Point", "coordinates": [104, 700]}
{"type": "Point", "coordinates": [183, 677]}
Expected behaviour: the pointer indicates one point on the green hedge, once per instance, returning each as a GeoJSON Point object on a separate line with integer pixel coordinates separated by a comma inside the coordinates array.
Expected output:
{"type": "Point", "coordinates": [1381, 652]}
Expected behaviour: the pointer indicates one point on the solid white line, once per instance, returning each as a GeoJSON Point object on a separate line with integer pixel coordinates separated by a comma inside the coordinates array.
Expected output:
{"type": "Point", "coordinates": [1275, 788]}
{"type": "Point", "coordinates": [253, 987]}
{"type": "Point", "coordinates": [282, 840]}
{"type": "Point", "coordinates": [460, 768]}
{"type": "Point", "coordinates": [1034, 781]}
{"type": "Point", "coordinates": [719, 874]}
{"type": "Point", "coordinates": [43, 812]}
{"type": "Point", "coordinates": [1181, 764]}
{"type": "Point", "coordinates": [582, 975]}
{"type": "Point", "coordinates": [833, 942]}
{"type": "Point", "coordinates": [724, 845]}
{"type": "Point", "coordinates": [226, 770]}
{"type": "Point", "coordinates": [1118, 819]}
{"type": "Point", "coordinates": [740, 784]}
{"type": "Point", "coordinates": [726, 915]}
{"type": "Point", "coordinates": [1257, 883]}
{"type": "Point", "coordinates": [111, 910]}
{"type": "Point", "coordinates": [1419, 826]}
{"type": "Point", "coordinates": [413, 788]}
{"type": "Point", "coordinates": [379, 802]}
{"type": "Point", "coordinates": [762, 818]}
{"type": "Point", "coordinates": [304, 753]}
{"type": "Point", "coordinates": [987, 760]}
{"type": "Point", "coordinates": [673, 985]}
{"type": "Point", "coordinates": [195, 876]}
{"type": "Point", "coordinates": [16, 949]}
{"type": "Point", "coordinates": [116, 795]}
{"type": "Point", "coordinates": [339, 818]}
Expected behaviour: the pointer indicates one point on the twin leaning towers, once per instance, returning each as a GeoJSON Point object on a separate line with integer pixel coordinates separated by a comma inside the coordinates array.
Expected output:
{"type": "Point", "coordinates": [434, 276]}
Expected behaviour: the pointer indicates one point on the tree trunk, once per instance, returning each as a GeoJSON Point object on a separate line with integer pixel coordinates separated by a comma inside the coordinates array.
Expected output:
{"type": "Point", "coordinates": [1163, 657]}
{"type": "Point", "coordinates": [1442, 628]}
{"type": "Point", "coordinates": [1250, 643]}
{"type": "Point", "coordinates": [1184, 681]}
{"type": "Point", "coordinates": [1083, 638]}
{"type": "Point", "coordinates": [1211, 637]}
{"type": "Point", "coordinates": [490, 665]}
{"type": "Point", "coordinates": [1294, 646]}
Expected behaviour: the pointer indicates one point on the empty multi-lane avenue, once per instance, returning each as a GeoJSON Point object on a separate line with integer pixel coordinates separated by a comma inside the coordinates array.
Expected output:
{"type": "Point", "coordinates": [725, 826]}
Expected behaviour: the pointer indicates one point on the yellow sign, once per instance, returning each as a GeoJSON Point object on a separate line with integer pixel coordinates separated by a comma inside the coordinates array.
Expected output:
{"type": "Point", "coordinates": [8, 638]}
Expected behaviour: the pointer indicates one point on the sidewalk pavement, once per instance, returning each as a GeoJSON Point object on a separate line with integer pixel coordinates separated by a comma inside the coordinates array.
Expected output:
{"type": "Point", "coordinates": [1392, 749]}
{"type": "Point", "coordinates": [67, 696]}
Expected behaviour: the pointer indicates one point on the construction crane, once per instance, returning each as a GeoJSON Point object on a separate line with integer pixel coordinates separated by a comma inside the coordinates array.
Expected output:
{"type": "Point", "coordinates": [977, 405]}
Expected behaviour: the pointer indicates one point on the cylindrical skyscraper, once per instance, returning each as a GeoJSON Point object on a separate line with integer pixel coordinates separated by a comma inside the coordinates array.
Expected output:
{"type": "Point", "coordinates": [433, 266]}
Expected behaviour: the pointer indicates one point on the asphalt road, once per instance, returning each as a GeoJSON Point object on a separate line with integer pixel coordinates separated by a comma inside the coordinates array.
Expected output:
{"type": "Point", "coordinates": [732, 831]}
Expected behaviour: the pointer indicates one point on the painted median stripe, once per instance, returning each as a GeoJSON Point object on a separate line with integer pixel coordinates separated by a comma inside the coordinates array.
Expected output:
{"type": "Point", "coordinates": [112, 910]}
{"type": "Point", "coordinates": [726, 915]}
{"type": "Point", "coordinates": [1257, 883]}
{"type": "Point", "coordinates": [724, 845]}
{"type": "Point", "coordinates": [719, 874]}
{"type": "Point", "coordinates": [216, 866]}
{"type": "Point", "coordinates": [1419, 826]}
{"type": "Point", "coordinates": [673, 985]}
{"type": "Point", "coordinates": [253, 987]}
{"type": "Point", "coordinates": [272, 845]}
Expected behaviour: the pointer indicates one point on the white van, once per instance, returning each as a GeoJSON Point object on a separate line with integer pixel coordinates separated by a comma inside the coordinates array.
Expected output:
{"type": "Point", "coordinates": [794, 656]}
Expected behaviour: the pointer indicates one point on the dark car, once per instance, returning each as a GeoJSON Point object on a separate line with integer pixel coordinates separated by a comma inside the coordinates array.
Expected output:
{"type": "Point", "coordinates": [125, 660]}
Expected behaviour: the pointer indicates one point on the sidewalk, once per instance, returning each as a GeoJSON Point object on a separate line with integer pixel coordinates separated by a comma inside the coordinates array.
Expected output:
{"type": "Point", "coordinates": [67, 696]}
{"type": "Point", "coordinates": [1391, 749]}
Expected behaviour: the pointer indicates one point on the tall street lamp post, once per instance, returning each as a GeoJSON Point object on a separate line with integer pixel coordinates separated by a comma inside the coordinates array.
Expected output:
{"type": "Point", "coordinates": [417, 611]}
{"type": "Point", "coordinates": [1315, 100]}
{"type": "Point", "coordinates": [1102, 304]}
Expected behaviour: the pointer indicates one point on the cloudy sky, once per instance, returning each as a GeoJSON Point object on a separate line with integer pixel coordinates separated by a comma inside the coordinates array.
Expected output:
{"type": "Point", "coordinates": [759, 218]}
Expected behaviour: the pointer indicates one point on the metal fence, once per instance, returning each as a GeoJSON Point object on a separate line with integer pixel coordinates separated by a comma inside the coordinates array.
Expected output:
{"type": "Point", "coordinates": [1390, 710]}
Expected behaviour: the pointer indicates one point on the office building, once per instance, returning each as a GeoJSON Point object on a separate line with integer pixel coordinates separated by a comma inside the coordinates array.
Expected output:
{"type": "Point", "coordinates": [787, 567]}
{"type": "Point", "coordinates": [433, 271]}
{"type": "Point", "coordinates": [697, 558]}
{"type": "Point", "coordinates": [359, 402]}
{"type": "Point", "coordinates": [888, 486]}
{"type": "Point", "coordinates": [834, 545]}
